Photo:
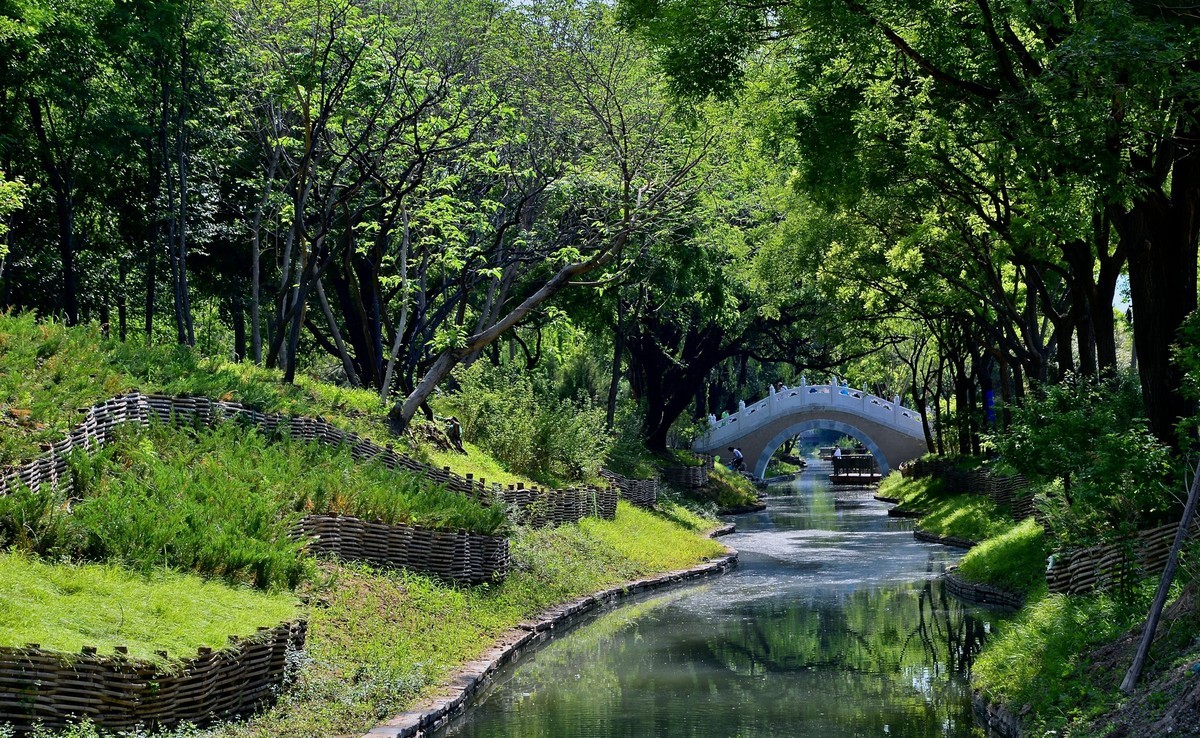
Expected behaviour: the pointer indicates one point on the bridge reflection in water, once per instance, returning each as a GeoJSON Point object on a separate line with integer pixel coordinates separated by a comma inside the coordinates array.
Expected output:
{"type": "Point", "coordinates": [834, 624]}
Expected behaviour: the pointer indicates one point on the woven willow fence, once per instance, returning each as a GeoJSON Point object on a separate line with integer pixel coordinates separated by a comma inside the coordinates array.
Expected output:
{"type": "Point", "coordinates": [1006, 490]}
{"type": "Point", "coordinates": [119, 693]}
{"type": "Point", "coordinates": [689, 476]}
{"type": "Point", "coordinates": [1101, 567]}
{"type": "Point", "coordinates": [1075, 571]}
{"type": "Point", "coordinates": [537, 507]}
{"type": "Point", "coordinates": [640, 492]}
{"type": "Point", "coordinates": [460, 556]}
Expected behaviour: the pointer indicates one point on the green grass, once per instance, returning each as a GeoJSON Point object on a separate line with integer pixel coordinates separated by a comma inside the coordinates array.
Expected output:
{"type": "Point", "coordinates": [380, 640]}
{"type": "Point", "coordinates": [972, 517]}
{"type": "Point", "coordinates": [778, 468]}
{"type": "Point", "coordinates": [475, 462]}
{"type": "Point", "coordinates": [221, 502]}
{"type": "Point", "coordinates": [385, 638]}
{"type": "Point", "coordinates": [726, 490]}
{"type": "Point", "coordinates": [48, 372]}
{"type": "Point", "coordinates": [1037, 658]}
{"type": "Point", "coordinates": [64, 607]}
{"type": "Point", "coordinates": [1014, 560]}
{"type": "Point", "coordinates": [681, 457]}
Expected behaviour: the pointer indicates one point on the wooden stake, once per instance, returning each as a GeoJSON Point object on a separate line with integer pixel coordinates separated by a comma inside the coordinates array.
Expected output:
{"type": "Point", "coordinates": [1164, 586]}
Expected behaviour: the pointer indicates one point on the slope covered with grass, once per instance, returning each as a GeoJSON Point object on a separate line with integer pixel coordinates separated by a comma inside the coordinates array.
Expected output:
{"type": "Point", "coordinates": [49, 372]}
{"type": "Point", "coordinates": [384, 638]}
{"type": "Point", "coordinates": [945, 511]}
{"type": "Point", "coordinates": [66, 607]}
{"type": "Point", "coordinates": [220, 502]}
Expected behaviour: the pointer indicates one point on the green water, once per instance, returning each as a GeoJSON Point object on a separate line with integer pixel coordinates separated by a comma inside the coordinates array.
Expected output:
{"type": "Point", "coordinates": [834, 624]}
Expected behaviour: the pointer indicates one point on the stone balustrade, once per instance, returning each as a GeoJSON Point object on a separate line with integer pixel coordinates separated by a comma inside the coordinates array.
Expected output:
{"type": "Point", "coordinates": [833, 396]}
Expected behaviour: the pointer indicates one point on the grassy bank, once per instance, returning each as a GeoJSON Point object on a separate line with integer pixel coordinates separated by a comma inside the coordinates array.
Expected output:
{"type": "Point", "coordinates": [1043, 659]}
{"type": "Point", "coordinates": [383, 639]}
{"type": "Point", "coordinates": [48, 372]}
{"type": "Point", "coordinates": [380, 640]}
{"type": "Point", "coordinates": [1059, 661]}
{"type": "Point", "coordinates": [726, 491]}
{"type": "Point", "coordinates": [220, 502]}
{"type": "Point", "coordinates": [1014, 560]}
{"type": "Point", "coordinates": [945, 511]}
{"type": "Point", "coordinates": [64, 607]}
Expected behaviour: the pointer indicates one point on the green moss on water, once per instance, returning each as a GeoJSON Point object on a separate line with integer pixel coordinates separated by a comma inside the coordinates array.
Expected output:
{"type": "Point", "coordinates": [65, 607]}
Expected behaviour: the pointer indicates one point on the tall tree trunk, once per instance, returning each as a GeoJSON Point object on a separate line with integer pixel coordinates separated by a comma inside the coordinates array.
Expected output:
{"type": "Point", "coordinates": [151, 280]}
{"type": "Point", "coordinates": [122, 298]}
{"type": "Point", "coordinates": [347, 364]}
{"type": "Point", "coordinates": [614, 381]}
{"type": "Point", "coordinates": [181, 151]}
{"type": "Point", "coordinates": [238, 311]}
{"type": "Point", "coordinates": [1160, 235]}
{"type": "Point", "coordinates": [62, 184]}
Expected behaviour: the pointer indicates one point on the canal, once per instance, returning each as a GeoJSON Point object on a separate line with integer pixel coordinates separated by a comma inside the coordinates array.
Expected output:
{"type": "Point", "coordinates": [834, 624]}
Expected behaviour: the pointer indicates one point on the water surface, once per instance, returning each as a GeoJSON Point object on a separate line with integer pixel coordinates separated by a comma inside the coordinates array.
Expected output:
{"type": "Point", "coordinates": [833, 624]}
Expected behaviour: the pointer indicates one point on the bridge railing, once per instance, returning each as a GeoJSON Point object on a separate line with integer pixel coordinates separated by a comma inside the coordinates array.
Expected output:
{"type": "Point", "coordinates": [832, 396]}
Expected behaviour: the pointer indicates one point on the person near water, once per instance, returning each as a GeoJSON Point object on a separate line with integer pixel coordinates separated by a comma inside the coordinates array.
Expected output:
{"type": "Point", "coordinates": [739, 461]}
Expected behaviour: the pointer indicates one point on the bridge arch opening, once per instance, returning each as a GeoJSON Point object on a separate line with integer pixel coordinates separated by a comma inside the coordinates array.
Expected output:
{"type": "Point", "coordinates": [760, 464]}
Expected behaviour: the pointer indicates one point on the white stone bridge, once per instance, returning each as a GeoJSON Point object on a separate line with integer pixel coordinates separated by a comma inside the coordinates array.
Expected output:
{"type": "Point", "coordinates": [893, 434]}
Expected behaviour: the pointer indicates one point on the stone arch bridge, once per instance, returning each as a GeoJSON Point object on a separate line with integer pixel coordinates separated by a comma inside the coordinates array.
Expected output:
{"type": "Point", "coordinates": [893, 434]}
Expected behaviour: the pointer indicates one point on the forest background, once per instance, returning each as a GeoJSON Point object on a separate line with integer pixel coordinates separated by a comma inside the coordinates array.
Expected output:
{"type": "Point", "coordinates": [656, 208]}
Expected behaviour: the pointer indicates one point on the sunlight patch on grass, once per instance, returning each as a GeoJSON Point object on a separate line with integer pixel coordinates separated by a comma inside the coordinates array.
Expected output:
{"type": "Point", "coordinates": [64, 607]}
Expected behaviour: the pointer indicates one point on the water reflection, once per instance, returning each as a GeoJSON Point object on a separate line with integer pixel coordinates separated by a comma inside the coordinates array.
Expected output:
{"type": "Point", "coordinates": [833, 625]}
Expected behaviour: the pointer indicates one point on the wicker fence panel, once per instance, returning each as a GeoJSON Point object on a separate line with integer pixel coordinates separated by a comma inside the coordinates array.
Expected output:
{"type": "Point", "coordinates": [118, 693]}
{"type": "Point", "coordinates": [101, 421]}
{"type": "Point", "coordinates": [1004, 490]}
{"type": "Point", "coordinates": [1101, 567]}
{"type": "Point", "coordinates": [686, 476]}
{"type": "Point", "coordinates": [639, 492]}
{"type": "Point", "coordinates": [460, 556]}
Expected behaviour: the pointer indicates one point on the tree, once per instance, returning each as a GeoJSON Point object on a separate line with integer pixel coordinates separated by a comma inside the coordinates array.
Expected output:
{"type": "Point", "coordinates": [634, 168]}
{"type": "Point", "coordinates": [1091, 94]}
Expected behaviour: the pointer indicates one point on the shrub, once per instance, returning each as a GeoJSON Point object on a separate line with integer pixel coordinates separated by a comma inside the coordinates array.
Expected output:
{"type": "Point", "coordinates": [1115, 474]}
{"type": "Point", "coordinates": [531, 429]}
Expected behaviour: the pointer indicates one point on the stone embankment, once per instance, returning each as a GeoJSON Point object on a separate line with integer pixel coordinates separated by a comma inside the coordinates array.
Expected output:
{"type": "Point", "coordinates": [430, 716]}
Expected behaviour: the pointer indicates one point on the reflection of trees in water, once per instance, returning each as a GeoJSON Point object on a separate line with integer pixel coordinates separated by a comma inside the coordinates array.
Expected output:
{"type": "Point", "coordinates": [851, 663]}
{"type": "Point", "coordinates": [944, 621]}
{"type": "Point", "coordinates": [874, 630]}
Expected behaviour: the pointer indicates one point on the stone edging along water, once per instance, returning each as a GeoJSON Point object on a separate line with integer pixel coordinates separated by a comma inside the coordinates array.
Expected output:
{"type": "Point", "coordinates": [995, 718]}
{"type": "Point", "coordinates": [434, 714]}
{"type": "Point", "coordinates": [927, 537]}
{"type": "Point", "coordinates": [982, 594]}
